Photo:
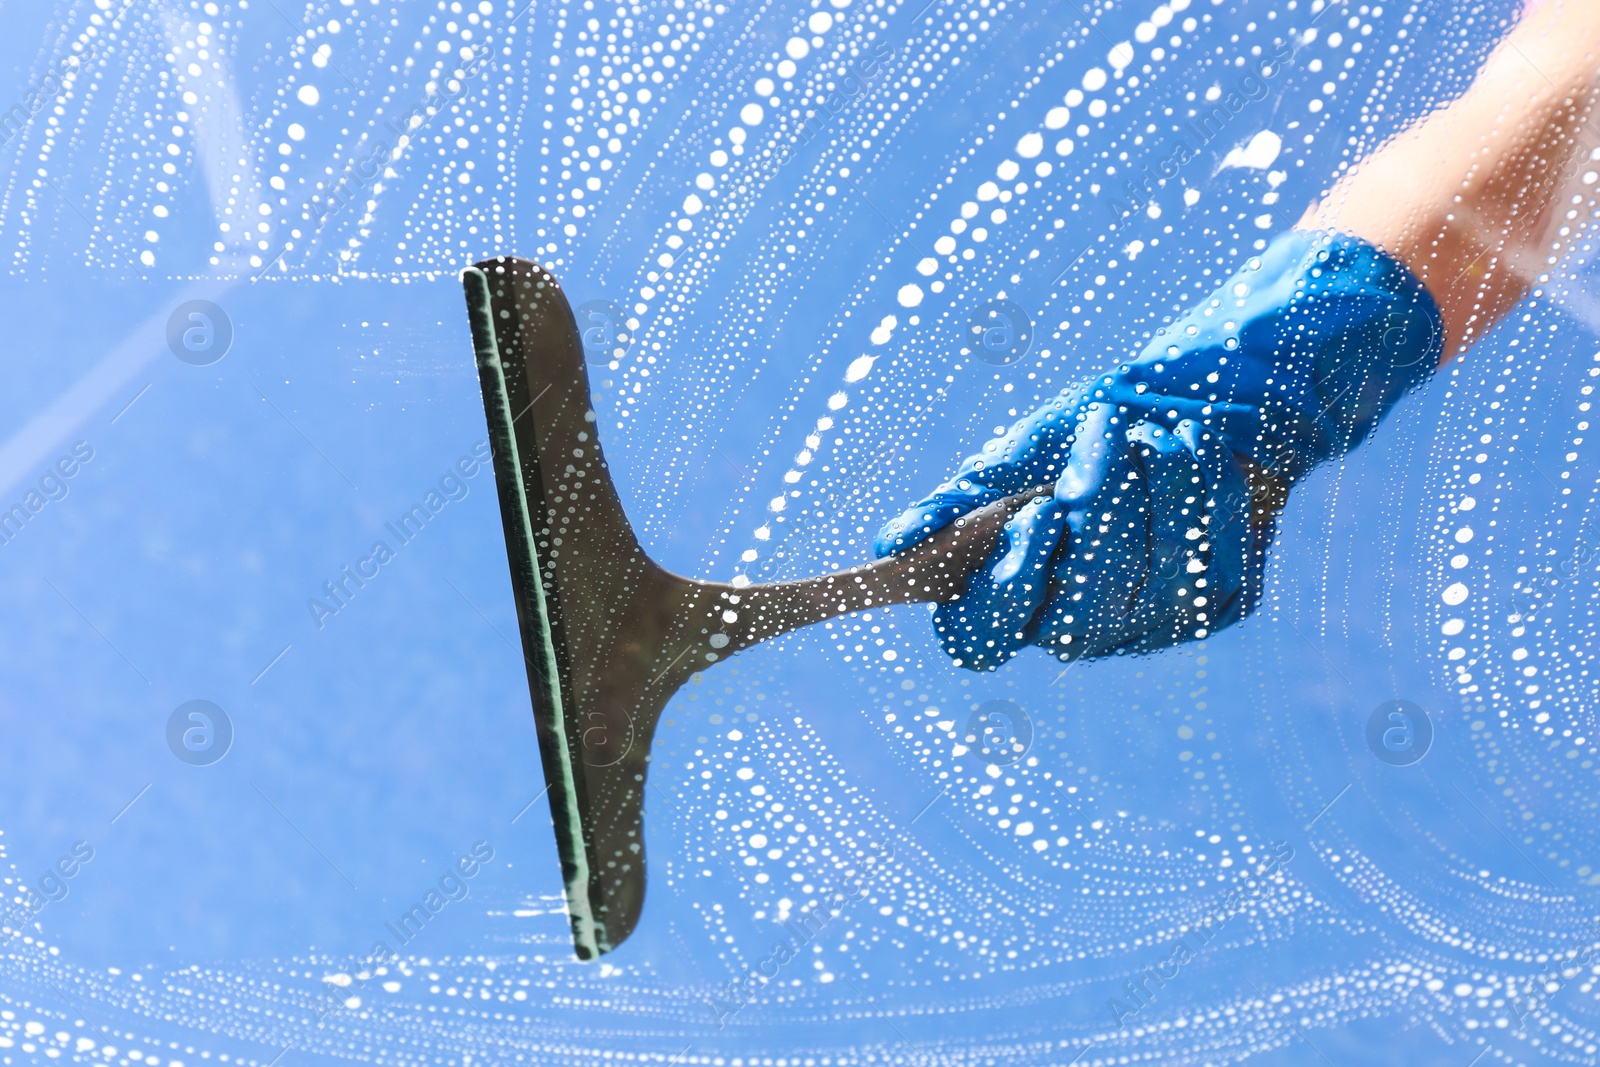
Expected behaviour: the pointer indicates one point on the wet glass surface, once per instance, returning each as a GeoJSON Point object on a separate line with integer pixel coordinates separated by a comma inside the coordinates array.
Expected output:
{"type": "Point", "coordinates": [817, 254]}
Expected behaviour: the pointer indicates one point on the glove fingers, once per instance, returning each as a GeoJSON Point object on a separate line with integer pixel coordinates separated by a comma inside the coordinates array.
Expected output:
{"type": "Point", "coordinates": [1108, 531]}
{"type": "Point", "coordinates": [1201, 542]}
{"type": "Point", "coordinates": [1096, 449]}
{"type": "Point", "coordinates": [1244, 539]}
{"type": "Point", "coordinates": [1175, 480]}
{"type": "Point", "coordinates": [1232, 572]}
{"type": "Point", "coordinates": [934, 512]}
{"type": "Point", "coordinates": [993, 619]}
{"type": "Point", "coordinates": [1032, 453]}
{"type": "Point", "coordinates": [1161, 554]}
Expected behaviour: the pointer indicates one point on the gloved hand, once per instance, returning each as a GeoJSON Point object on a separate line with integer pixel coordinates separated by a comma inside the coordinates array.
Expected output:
{"type": "Point", "coordinates": [1148, 538]}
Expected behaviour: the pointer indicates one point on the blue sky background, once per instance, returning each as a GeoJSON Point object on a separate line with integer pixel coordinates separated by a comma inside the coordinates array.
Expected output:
{"type": "Point", "coordinates": [1420, 903]}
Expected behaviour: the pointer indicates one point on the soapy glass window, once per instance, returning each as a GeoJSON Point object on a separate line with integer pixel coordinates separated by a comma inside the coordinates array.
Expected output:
{"type": "Point", "coordinates": [272, 787]}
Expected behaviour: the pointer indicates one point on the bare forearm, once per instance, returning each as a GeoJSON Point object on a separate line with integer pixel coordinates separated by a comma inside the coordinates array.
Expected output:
{"type": "Point", "coordinates": [1470, 197]}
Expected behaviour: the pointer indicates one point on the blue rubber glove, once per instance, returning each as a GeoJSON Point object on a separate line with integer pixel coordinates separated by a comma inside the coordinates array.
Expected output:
{"type": "Point", "coordinates": [1147, 540]}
